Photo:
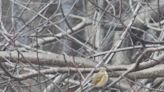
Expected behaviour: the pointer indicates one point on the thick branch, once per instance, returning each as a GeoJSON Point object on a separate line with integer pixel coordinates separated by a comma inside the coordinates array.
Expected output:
{"type": "Point", "coordinates": [154, 72]}
{"type": "Point", "coordinates": [46, 59]}
{"type": "Point", "coordinates": [59, 60]}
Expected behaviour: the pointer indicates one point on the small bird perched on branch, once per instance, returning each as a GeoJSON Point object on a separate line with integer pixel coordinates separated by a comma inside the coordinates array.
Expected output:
{"type": "Point", "coordinates": [100, 79]}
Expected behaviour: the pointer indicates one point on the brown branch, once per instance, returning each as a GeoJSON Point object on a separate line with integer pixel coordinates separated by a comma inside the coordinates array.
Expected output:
{"type": "Point", "coordinates": [46, 59]}
{"type": "Point", "coordinates": [154, 72]}
{"type": "Point", "coordinates": [59, 60]}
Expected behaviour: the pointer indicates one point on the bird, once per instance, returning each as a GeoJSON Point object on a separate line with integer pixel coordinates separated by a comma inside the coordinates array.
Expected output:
{"type": "Point", "coordinates": [100, 79]}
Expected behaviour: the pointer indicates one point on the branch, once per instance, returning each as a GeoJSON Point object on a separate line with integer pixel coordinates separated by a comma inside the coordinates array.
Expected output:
{"type": "Point", "coordinates": [154, 72]}
{"type": "Point", "coordinates": [52, 59]}
{"type": "Point", "coordinates": [46, 59]}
